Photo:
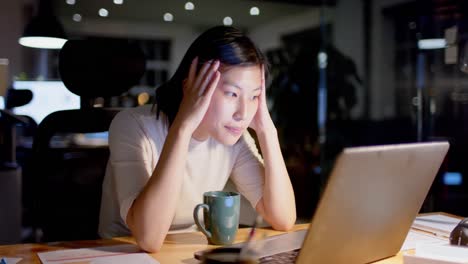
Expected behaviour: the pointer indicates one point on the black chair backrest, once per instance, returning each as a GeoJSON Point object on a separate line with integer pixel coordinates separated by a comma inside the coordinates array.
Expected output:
{"type": "Point", "coordinates": [100, 68]}
{"type": "Point", "coordinates": [69, 179]}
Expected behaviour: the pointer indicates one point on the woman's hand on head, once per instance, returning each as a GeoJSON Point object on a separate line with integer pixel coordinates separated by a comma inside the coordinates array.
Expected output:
{"type": "Point", "coordinates": [198, 90]}
{"type": "Point", "coordinates": [262, 120]}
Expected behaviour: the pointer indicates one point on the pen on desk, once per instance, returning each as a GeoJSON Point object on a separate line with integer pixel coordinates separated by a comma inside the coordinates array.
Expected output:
{"type": "Point", "coordinates": [245, 248]}
{"type": "Point", "coordinates": [442, 235]}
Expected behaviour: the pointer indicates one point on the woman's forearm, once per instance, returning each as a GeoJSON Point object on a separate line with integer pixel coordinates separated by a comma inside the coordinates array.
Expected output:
{"type": "Point", "coordinates": [278, 203]}
{"type": "Point", "coordinates": [151, 214]}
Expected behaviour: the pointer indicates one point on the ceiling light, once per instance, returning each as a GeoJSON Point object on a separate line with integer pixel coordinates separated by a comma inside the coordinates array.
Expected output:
{"type": "Point", "coordinates": [118, 2]}
{"type": "Point", "coordinates": [227, 21]}
{"type": "Point", "coordinates": [254, 11]}
{"type": "Point", "coordinates": [189, 6]}
{"type": "Point", "coordinates": [168, 17]}
{"type": "Point", "coordinates": [435, 43]}
{"type": "Point", "coordinates": [70, 2]}
{"type": "Point", "coordinates": [77, 17]}
{"type": "Point", "coordinates": [42, 42]}
{"type": "Point", "coordinates": [103, 12]}
{"type": "Point", "coordinates": [44, 30]}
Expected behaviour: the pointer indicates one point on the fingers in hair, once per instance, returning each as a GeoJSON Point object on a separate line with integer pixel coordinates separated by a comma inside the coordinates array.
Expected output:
{"type": "Point", "coordinates": [209, 77]}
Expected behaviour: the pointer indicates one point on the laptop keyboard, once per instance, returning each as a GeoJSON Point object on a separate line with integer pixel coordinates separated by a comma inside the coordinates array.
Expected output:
{"type": "Point", "coordinates": [284, 257]}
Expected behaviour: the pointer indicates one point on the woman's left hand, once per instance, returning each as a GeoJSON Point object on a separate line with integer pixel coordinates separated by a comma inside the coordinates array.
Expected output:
{"type": "Point", "coordinates": [262, 120]}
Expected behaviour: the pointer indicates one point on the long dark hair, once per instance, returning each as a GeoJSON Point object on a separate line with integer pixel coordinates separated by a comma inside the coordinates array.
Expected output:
{"type": "Point", "coordinates": [226, 44]}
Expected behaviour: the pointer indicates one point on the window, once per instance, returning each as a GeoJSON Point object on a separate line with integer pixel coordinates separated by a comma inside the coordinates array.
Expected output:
{"type": "Point", "coordinates": [48, 97]}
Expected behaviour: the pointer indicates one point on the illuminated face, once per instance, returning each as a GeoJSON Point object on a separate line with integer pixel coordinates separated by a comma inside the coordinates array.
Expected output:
{"type": "Point", "coordinates": [233, 105]}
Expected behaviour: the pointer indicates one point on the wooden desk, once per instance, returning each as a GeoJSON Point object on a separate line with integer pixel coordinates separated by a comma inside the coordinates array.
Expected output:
{"type": "Point", "coordinates": [177, 248]}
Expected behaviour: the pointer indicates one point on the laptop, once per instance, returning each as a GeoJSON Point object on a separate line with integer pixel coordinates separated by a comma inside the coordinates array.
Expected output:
{"type": "Point", "coordinates": [372, 196]}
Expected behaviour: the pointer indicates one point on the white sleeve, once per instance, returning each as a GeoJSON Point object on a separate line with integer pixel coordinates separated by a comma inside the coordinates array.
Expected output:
{"type": "Point", "coordinates": [130, 159]}
{"type": "Point", "coordinates": [248, 173]}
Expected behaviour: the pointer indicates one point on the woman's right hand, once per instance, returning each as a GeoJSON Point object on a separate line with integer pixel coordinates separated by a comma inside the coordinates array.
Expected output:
{"type": "Point", "coordinates": [197, 93]}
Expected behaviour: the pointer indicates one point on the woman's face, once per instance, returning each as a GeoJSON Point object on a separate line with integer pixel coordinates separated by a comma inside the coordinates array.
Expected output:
{"type": "Point", "coordinates": [233, 105]}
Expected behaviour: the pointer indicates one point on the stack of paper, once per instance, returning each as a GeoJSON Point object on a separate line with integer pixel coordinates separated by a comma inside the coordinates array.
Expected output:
{"type": "Point", "coordinates": [437, 254]}
{"type": "Point", "coordinates": [99, 255]}
{"type": "Point", "coordinates": [10, 260]}
{"type": "Point", "coordinates": [437, 224]}
{"type": "Point", "coordinates": [415, 238]}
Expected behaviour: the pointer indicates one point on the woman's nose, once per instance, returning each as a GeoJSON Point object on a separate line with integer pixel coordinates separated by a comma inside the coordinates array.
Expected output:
{"type": "Point", "coordinates": [241, 111]}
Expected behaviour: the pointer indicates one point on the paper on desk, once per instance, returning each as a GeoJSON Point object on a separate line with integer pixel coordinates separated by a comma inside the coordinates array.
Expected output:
{"type": "Point", "coordinates": [442, 253]}
{"type": "Point", "coordinates": [437, 224]}
{"type": "Point", "coordinates": [98, 255]}
{"type": "Point", "coordinates": [415, 238]}
{"type": "Point", "coordinates": [11, 260]}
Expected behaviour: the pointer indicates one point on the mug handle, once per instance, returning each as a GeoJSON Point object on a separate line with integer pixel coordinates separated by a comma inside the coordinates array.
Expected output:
{"type": "Point", "coordinates": [197, 221]}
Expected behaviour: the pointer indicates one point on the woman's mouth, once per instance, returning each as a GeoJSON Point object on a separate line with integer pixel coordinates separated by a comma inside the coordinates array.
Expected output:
{"type": "Point", "coordinates": [236, 131]}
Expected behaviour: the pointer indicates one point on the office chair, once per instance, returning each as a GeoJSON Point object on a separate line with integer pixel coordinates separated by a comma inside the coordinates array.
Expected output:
{"type": "Point", "coordinates": [69, 179]}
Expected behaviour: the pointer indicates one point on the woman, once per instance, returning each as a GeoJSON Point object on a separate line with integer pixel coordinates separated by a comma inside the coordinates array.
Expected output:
{"type": "Point", "coordinates": [163, 158]}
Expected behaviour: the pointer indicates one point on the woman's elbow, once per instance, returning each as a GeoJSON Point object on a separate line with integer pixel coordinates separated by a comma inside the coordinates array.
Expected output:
{"type": "Point", "coordinates": [284, 224]}
{"type": "Point", "coordinates": [150, 245]}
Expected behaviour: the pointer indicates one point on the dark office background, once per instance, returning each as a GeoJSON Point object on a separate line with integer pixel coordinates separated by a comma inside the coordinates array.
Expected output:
{"type": "Point", "coordinates": [382, 88]}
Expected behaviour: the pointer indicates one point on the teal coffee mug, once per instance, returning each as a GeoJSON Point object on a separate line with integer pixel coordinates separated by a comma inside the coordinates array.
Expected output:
{"type": "Point", "coordinates": [221, 216]}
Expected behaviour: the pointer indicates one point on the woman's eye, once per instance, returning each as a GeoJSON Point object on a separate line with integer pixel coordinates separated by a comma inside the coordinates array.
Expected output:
{"type": "Point", "coordinates": [230, 94]}
{"type": "Point", "coordinates": [255, 97]}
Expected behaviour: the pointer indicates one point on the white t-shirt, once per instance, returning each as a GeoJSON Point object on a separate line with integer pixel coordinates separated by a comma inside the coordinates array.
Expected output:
{"type": "Point", "coordinates": [136, 139]}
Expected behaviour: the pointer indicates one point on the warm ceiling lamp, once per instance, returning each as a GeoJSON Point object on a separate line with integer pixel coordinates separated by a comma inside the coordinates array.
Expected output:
{"type": "Point", "coordinates": [44, 31]}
